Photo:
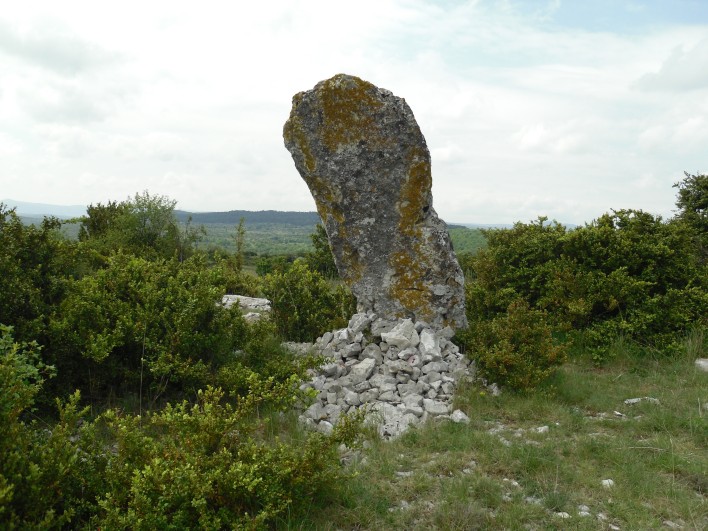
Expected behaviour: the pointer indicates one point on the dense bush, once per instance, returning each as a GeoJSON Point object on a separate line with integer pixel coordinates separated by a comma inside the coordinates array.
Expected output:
{"type": "Point", "coordinates": [321, 258]}
{"type": "Point", "coordinates": [214, 464]}
{"type": "Point", "coordinates": [692, 203]}
{"type": "Point", "coordinates": [143, 225]}
{"type": "Point", "coordinates": [41, 480]}
{"type": "Point", "coordinates": [138, 322]}
{"type": "Point", "coordinates": [263, 356]}
{"type": "Point", "coordinates": [268, 264]}
{"type": "Point", "coordinates": [626, 274]}
{"type": "Point", "coordinates": [206, 466]}
{"type": "Point", "coordinates": [34, 264]}
{"type": "Point", "coordinates": [304, 306]}
{"type": "Point", "coordinates": [514, 349]}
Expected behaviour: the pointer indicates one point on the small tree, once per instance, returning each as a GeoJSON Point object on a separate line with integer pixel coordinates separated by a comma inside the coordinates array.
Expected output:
{"type": "Point", "coordinates": [144, 225]}
{"type": "Point", "coordinates": [692, 203]}
{"type": "Point", "coordinates": [321, 259]}
{"type": "Point", "coordinates": [240, 238]}
{"type": "Point", "coordinates": [304, 305]}
{"type": "Point", "coordinates": [35, 263]}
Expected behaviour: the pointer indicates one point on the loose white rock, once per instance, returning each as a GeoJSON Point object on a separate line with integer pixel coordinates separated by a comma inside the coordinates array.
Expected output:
{"type": "Point", "coordinates": [459, 417]}
{"type": "Point", "coordinates": [402, 335]}
{"type": "Point", "coordinates": [702, 364]}
{"type": "Point", "coordinates": [436, 408]}
{"type": "Point", "coordinates": [632, 401]}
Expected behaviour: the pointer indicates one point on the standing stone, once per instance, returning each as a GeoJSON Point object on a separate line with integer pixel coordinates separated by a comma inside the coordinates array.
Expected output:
{"type": "Point", "coordinates": [365, 160]}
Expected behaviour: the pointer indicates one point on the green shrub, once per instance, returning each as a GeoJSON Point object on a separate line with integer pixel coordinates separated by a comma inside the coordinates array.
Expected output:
{"type": "Point", "coordinates": [34, 265]}
{"type": "Point", "coordinates": [206, 466]}
{"type": "Point", "coordinates": [215, 464]}
{"type": "Point", "coordinates": [143, 225]}
{"type": "Point", "coordinates": [42, 471]}
{"type": "Point", "coordinates": [263, 356]}
{"type": "Point", "coordinates": [156, 323]}
{"type": "Point", "coordinates": [321, 258]}
{"type": "Point", "coordinates": [516, 349]}
{"type": "Point", "coordinates": [692, 203]}
{"type": "Point", "coordinates": [626, 273]}
{"type": "Point", "coordinates": [304, 306]}
{"type": "Point", "coordinates": [279, 264]}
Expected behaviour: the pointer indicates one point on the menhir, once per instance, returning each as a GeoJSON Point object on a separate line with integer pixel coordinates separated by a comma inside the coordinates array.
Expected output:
{"type": "Point", "coordinates": [365, 160]}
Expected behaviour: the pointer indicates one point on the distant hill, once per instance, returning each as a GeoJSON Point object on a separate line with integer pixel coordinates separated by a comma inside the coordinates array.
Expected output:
{"type": "Point", "coordinates": [297, 219]}
{"type": "Point", "coordinates": [267, 231]}
{"type": "Point", "coordinates": [39, 210]}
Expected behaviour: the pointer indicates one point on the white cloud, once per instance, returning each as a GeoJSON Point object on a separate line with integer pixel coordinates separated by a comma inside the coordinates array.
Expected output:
{"type": "Point", "coordinates": [523, 116]}
{"type": "Point", "coordinates": [8, 146]}
{"type": "Point", "coordinates": [684, 69]}
{"type": "Point", "coordinates": [48, 45]}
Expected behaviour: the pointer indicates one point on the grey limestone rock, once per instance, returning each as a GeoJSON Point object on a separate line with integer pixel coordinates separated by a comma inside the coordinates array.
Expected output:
{"type": "Point", "coordinates": [366, 162]}
{"type": "Point", "coordinates": [435, 407]}
{"type": "Point", "coordinates": [392, 421]}
{"type": "Point", "coordinates": [402, 336]}
{"type": "Point", "coordinates": [359, 372]}
{"type": "Point", "coordinates": [246, 303]}
{"type": "Point", "coordinates": [459, 417]}
{"type": "Point", "coordinates": [399, 386]}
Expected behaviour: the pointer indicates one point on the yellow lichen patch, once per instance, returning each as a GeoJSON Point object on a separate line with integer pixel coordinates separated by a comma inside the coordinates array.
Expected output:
{"type": "Point", "coordinates": [414, 192]}
{"type": "Point", "coordinates": [348, 104]}
{"type": "Point", "coordinates": [407, 286]}
{"type": "Point", "coordinates": [410, 266]}
{"type": "Point", "coordinates": [327, 198]}
{"type": "Point", "coordinates": [353, 266]}
{"type": "Point", "coordinates": [293, 133]}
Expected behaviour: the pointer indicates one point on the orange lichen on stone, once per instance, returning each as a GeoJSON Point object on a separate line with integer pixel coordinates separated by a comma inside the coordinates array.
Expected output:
{"type": "Point", "coordinates": [407, 284]}
{"type": "Point", "coordinates": [415, 192]}
{"type": "Point", "coordinates": [348, 104]}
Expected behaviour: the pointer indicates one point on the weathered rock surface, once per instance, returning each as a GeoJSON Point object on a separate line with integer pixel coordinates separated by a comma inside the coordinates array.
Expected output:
{"type": "Point", "coordinates": [252, 308]}
{"type": "Point", "coordinates": [365, 160]}
{"type": "Point", "coordinates": [398, 384]}
{"type": "Point", "coordinates": [246, 303]}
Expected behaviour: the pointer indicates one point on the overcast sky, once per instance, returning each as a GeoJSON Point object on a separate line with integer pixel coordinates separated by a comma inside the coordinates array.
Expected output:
{"type": "Point", "coordinates": [529, 107]}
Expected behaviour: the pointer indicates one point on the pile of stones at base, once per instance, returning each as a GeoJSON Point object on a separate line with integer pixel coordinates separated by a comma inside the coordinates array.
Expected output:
{"type": "Point", "coordinates": [403, 372]}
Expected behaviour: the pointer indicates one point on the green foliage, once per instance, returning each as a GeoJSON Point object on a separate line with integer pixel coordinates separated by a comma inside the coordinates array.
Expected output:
{"type": "Point", "coordinates": [304, 306]}
{"type": "Point", "coordinates": [466, 240]}
{"type": "Point", "coordinates": [39, 483]}
{"type": "Point", "coordinates": [627, 273]}
{"type": "Point", "coordinates": [321, 259]}
{"type": "Point", "coordinates": [101, 220]}
{"type": "Point", "coordinates": [215, 464]}
{"type": "Point", "coordinates": [515, 349]}
{"type": "Point", "coordinates": [137, 321]}
{"type": "Point", "coordinates": [273, 264]}
{"type": "Point", "coordinates": [263, 356]}
{"type": "Point", "coordinates": [204, 466]}
{"type": "Point", "coordinates": [144, 225]}
{"type": "Point", "coordinates": [34, 263]}
{"type": "Point", "coordinates": [236, 281]}
{"type": "Point", "coordinates": [21, 375]}
{"type": "Point", "coordinates": [240, 241]}
{"type": "Point", "coordinates": [692, 203]}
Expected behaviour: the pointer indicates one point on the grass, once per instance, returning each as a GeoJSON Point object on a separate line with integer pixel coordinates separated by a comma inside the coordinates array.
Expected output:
{"type": "Point", "coordinates": [524, 460]}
